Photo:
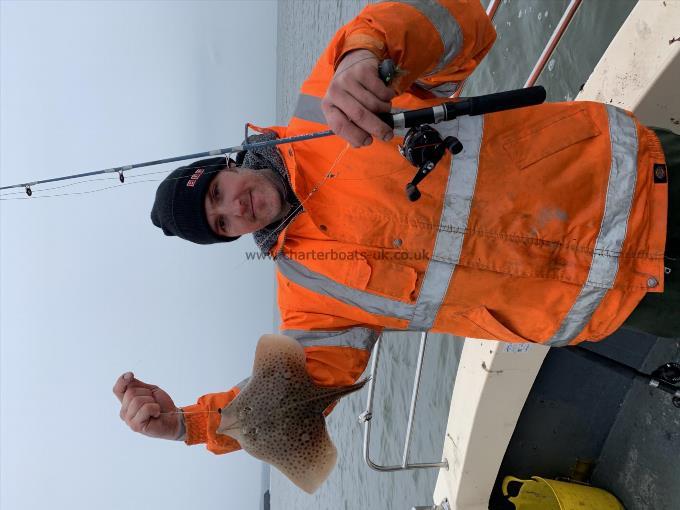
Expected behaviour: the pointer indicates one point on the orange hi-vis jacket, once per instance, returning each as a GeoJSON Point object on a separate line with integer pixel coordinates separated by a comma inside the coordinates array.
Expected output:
{"type": "Point", "coordinates": [548, 227]}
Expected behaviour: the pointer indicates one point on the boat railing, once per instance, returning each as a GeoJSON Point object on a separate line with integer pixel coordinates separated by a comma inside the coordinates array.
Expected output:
{"type": "Point", "coordinates": [552, 42]}
{"type": "Point", "coordinates": [367, 415]}
{"type": "Point", "coordinates": [549, 48]}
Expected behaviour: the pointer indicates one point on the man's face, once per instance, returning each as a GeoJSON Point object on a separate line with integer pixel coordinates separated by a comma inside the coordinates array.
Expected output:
{"type": "Point", "coordinates": [240, 201]}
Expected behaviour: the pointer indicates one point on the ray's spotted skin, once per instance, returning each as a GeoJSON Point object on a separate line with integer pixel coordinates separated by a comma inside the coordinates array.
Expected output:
{"type": "Point", "coordinates": [278, 416]}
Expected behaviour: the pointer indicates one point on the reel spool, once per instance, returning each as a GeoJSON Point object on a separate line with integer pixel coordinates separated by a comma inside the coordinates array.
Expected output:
{"type": "Point", "coordinates": [423, 147]}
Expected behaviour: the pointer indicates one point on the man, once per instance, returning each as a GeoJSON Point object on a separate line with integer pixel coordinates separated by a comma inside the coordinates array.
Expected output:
{"type": "Point", "coordinates": [548, 227]}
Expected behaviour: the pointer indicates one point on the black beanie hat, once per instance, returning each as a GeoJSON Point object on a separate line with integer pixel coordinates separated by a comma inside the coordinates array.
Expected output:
{"type": "Point", "coordinates": [179, 205]}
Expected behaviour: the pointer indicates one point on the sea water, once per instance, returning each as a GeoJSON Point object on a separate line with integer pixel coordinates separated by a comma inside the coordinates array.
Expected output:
{"type": "Point", "coordinates": [523, 26]}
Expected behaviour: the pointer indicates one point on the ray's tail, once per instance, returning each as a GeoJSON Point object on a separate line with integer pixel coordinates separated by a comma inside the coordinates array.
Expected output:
{"type": "Point", "coordinates": [334, 393]}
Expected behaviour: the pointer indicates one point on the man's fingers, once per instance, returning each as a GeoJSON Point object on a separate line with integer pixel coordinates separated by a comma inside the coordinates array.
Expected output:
{"type": "Point", "coordinates": [122, 384]}
{"type": "Point", "coordinates": [141, 384]}
{"type": "Point", "coordinates": [368, 82]}
{"type": "Point", "coordinates": [131, 394]}
{"type": "Point", "coordinates": [141, 419]}
{"type": "Point", "coordinates": [358, 104]}
{"type": "Point", "coordinates": [368, 100]}
{"type": "Point", "coordinates": [356, 93]}
{"type": "Point", "coordinates": [142, 405]}
{"type": "Point", "coordinates": [356, 108]}
{"type": "Point", "coordinates": [128, 399]}
{"type": "Point", "coordinates": [344, 128]}
{"type": "Point", "coordinates": [376, 87]}
{"type": "Point", "coordinates": [360, 110]}
{"type": "Point", "coordinates": [127, 381]}
{"type": "Point", "coordinates": [135, 404]}
{"type": "Point", "coordinates": [362, 67]}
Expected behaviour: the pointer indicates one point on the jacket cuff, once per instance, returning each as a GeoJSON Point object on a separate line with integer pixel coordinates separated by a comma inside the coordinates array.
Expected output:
{"type": "Point", "coordinates": [196, 423]}
{"type": "Point", "coordinates": [361, 41]}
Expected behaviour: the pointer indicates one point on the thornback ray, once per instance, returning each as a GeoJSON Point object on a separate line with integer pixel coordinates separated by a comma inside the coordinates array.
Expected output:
{"type": "Point", "coordinates": [278, 415]}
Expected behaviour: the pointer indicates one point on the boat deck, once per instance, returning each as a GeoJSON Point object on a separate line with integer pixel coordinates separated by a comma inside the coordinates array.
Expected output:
{"type": "Point", "coordinates": [579, 409]}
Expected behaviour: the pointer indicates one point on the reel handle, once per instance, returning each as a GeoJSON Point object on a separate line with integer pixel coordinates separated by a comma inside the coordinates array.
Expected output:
{"type": "Point", "coordinates": [412, 192]}
{"type": "Point", "coordinates": [450, 143]}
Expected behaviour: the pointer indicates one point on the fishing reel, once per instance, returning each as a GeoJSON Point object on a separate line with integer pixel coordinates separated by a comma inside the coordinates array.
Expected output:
{"type": "Point", "coordinates": [423, 147]}
{"type": "Point", "coordinates": [669, 373]}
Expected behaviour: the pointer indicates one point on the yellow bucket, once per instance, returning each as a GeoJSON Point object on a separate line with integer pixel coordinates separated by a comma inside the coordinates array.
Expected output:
{"type": "Point", "coordinates": [543, 494]}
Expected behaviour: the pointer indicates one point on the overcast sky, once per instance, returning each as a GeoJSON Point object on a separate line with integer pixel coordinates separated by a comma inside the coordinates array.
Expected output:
{"type": "Point", "coordinates": [89, 288]}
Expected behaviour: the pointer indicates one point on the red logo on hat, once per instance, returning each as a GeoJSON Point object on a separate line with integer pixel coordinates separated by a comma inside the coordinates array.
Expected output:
{"type": "Point", "coordinates": [194, 178]}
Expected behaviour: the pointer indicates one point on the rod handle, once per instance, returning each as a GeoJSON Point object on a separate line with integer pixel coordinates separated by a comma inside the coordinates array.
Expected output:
{"type": "Point", "coordinates": [387, 118]}
{"type": "Point", "coordinates": [497, 102]}
{"type": "Point", "coordinates": [477, 105]}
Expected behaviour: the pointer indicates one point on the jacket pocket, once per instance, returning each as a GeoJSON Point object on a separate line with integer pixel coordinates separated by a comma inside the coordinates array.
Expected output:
{"type": "Point", "coordinates": [367, 273]}
{"type": "Point", "coordinates": [549, 136]}
{"type": "Point", "coordinates": [355, 273]}
{"type": "Point", "coordinates": [393, 280]}
{"type": "Point", "coordinates": [384, 278]}
{"type": "Point", "coordinates": [483, 319]}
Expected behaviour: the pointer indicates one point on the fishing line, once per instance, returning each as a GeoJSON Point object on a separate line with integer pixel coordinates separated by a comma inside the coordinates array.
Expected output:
{"type": "Point", "coordinates": [137, 176]}
{"type": "Point", "coordinates": [98, 189]}
{"type": "Point", "coordinates": [131, 177]}
{"type": "Point", "coordinates": [368, 178]}
{"type": "Point", "coordinates": [87, 192]}
{"type": "Point", "coordinates": [188, 412]}
{"type": "Point", "coordinates": [62, 186]}
{"type": "Point", "coordinates": [330, 393]}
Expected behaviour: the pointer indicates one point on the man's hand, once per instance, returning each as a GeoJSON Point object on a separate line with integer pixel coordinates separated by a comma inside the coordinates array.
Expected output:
{"type": "Point", "coordinates": [354, 95]}
{"type": "Point", "coordinates": [142, 405]}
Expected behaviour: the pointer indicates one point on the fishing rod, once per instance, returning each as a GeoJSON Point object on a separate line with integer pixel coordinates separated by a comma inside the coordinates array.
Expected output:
{"type": "Point", "coordinates": [407, 119]}
{"type": "Point", "coordinates": [217, 152]}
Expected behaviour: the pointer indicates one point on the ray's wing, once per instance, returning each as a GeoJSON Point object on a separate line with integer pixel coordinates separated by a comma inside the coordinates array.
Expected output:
{"type": "Point", "coordinates": [304, 453]}
{"type": "Point", "coordinates": [272, 350]}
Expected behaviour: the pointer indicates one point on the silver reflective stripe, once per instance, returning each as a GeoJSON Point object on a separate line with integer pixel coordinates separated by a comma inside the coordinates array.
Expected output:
{"type": "Point", "coordinates": [446, 25]}
{"type": "Point", "coordinates": [442, 90]}
{"type": "Point", "coordinates": [309, 108]}
{"type": "Point", "coordinates": [323, 285]}
{"type": "Point", "coordinates": [619, 199]}
{"type": "Point", "coordinates": [460, 190]}
{"type": "Point", "coordinates": [357, 338]}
